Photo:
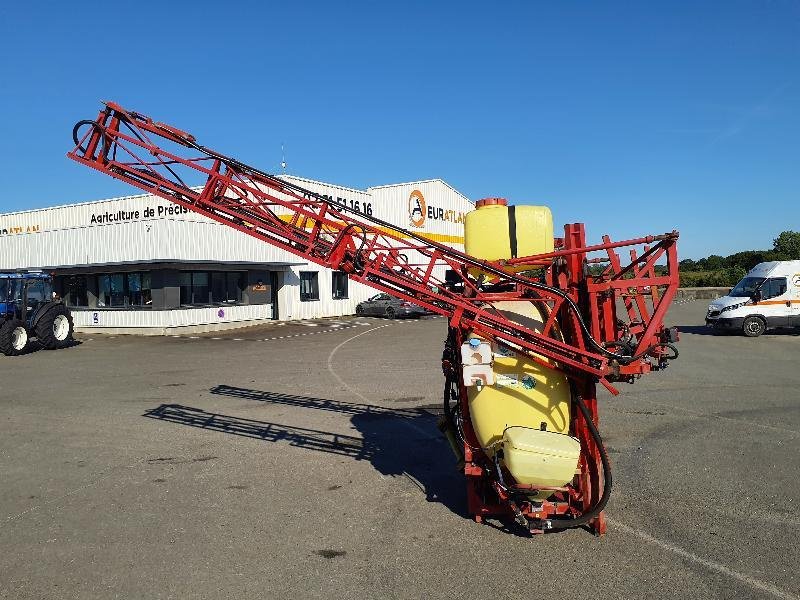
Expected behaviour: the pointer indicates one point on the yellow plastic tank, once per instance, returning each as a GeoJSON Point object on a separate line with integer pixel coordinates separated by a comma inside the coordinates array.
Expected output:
{"type": "Point", "coordinates": [524, 392]}
{"type": "Point", "coordinates": [540, 458]}
{"type": "Point", "coordinates": [495, 231]}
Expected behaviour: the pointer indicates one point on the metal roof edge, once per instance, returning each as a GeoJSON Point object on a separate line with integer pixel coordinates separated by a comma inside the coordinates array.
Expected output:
{"type": "Point", "coordinates": [87, 203]}
{"type": "Point", "coordinates": [325, 183]}
{"type": "Point", "coordinates": [435, 180]}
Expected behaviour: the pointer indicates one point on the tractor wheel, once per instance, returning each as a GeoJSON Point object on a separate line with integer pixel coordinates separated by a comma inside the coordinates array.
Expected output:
{"type": "Point", "coordinates": [753, 326]}
{"type": "Point", "coordinates": [13, 337]}
{"type": "Point", "coordinates": [54, 328]}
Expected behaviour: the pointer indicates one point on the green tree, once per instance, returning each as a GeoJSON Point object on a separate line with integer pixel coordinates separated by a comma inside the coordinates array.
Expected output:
{"type": "Point", "coordinates": [747, 259]}
{"type": "Point", "coordinates": [787, 245]}
{"type": "Point", "coordinates": [715, 262]}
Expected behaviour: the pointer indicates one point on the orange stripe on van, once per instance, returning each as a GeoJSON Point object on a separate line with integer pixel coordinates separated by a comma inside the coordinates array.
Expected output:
{"type": "Point", "coordinates": [768, 302]}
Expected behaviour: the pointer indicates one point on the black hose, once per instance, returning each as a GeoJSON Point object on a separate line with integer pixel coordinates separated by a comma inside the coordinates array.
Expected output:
{"type": "Point", "coordinates": [472, 261]}
{"type": "Point", "coordinates": [77, 140]}
{"type": "Point", "coordinates": [358, 263]}
{"type": "Point", "coordinates": [448, 411]}
{"type": "Point", "coordinates": [465, 257]}
{"type": "Point", "coordinates": [671, 347]}
{"type": "Point", "coordinates": [559, 523]}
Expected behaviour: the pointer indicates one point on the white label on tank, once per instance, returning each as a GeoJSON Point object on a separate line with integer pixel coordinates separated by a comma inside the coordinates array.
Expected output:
{"type": "Point", "coordinates": [506, 380]}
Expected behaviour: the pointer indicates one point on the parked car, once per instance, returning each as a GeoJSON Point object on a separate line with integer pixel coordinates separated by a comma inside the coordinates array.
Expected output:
{"type": "Point", "coordinates": [384, 305]}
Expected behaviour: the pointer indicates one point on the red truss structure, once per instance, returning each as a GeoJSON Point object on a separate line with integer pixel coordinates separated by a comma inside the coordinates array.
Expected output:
{"type": "Point", "coordinates": [604, 315]}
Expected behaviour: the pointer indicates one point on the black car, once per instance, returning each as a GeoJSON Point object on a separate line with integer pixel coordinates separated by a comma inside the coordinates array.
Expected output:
{"type": "Point", "coordinates": [384, 305]}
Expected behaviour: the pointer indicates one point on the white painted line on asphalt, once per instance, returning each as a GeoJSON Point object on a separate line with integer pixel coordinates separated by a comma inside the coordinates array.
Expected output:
{"type": "Point", "coordinates": [110, 473]}
{"type": "Point", "coordinates": [336, 349]}
{"type": "Point", "coordinates": [757, 584]}
{"type": "Point", "coordinates": [332, 328]}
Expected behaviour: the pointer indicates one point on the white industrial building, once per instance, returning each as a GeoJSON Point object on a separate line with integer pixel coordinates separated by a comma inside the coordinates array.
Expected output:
{"type": "Point", "coordinates": [142, 264]}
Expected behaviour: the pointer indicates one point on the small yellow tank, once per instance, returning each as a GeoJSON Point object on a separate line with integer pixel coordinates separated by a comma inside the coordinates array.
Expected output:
{"type": "Point", "coordinates": [495, 231]}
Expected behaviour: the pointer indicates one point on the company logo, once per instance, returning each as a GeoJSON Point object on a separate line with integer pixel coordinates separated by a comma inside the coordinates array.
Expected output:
{"type": "Point", "coordinates": [417, 208]}
{"type": "Point", "coordinates": [420, 212]}
{"type": "Point", "coordinates": [20, 229]}
{"type": "Point", "coordinates": [796, 280]}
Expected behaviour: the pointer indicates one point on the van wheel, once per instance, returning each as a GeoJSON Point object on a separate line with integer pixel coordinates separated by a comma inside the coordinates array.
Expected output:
{"type": "Point", "coordinates": [753, 326]}
{"type": "Point", "coordinates": [13, 337]}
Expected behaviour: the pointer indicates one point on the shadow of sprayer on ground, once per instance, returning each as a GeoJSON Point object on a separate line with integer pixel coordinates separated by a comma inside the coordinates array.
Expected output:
{"type": "Point", "coordinates": [397, 442]}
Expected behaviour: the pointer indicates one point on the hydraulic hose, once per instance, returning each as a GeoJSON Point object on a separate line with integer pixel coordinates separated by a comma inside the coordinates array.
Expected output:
{"type": "Point", "coordinates": [94, 125]}
{"type": "Point", "coordinates": [467, 259]}
{"type": "Point", "coordinates": [593, 512]}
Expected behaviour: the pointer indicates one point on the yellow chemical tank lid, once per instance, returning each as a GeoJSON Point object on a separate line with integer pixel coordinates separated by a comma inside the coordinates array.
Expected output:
{"type": "Point", "coordinates": [542, 442]}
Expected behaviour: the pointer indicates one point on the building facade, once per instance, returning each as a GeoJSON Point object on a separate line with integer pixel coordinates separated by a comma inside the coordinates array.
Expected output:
{"type": "Point", "coordinates": [141, 264]}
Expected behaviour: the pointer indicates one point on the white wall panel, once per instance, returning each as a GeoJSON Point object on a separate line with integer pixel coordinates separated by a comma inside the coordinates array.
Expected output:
{"type": "Point", "coordinates": [121, 319]}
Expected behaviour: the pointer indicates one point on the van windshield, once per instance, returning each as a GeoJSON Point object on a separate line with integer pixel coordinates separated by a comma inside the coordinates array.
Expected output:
{"type": "Point", "coordinates": [746, 287]}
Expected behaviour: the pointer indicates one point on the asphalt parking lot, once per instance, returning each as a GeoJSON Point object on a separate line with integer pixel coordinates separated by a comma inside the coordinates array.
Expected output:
{"type": "Point", "coordinates": [300, 461]}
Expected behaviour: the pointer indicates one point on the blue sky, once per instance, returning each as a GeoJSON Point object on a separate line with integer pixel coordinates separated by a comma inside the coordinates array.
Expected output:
{"type": "Point", "coordinates": [634, 118]}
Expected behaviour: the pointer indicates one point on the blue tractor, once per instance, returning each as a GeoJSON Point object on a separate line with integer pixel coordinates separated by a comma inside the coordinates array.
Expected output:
{"type": "Point", "coordinates": [28, 309]}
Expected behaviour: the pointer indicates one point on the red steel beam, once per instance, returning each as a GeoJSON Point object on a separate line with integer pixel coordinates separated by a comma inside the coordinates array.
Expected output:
{"type": "Point", "coordinates": [371, 251]}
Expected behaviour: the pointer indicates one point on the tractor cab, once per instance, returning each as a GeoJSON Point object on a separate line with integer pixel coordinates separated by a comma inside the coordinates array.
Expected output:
{"type": "Point", "coordinates": [22, 293]}
{"type": "Point", "coordinates": [28, 309]}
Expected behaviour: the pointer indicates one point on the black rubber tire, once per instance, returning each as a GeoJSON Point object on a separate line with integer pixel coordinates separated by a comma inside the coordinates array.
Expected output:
{"type": "Point", "coordinates": [390, 314]}
{"type": "Point", "coordinates": [360, 310]}
{"type": "Point", "coordinates": [6, 337]}
{"type": "Point", "coordinates": [45, 330]}
{"type": "Point", "coordinates": [753, 326]}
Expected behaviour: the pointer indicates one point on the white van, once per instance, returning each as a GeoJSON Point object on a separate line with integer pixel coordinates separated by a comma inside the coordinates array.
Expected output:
{"type": "Point", "coordinates": [768, 296]}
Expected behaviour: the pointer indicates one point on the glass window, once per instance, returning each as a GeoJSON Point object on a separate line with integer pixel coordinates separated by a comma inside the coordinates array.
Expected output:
{"type": "Point", "coordinates": [111, 290]}
{"type": "Point", "coordinates": [75, 290]}
{"type": "Point", "coordinates": [216, 287]}
{"type": "Point", "coordinates": [219, 293]}
{"type": "Point", "coordinates": [233, 283]}
{"type": "Point", "coordinates": [339, 285]}
{"type": "Point", "coordinates": [226, 287]}
{"type": "Point", "coordinates": [4, 290]}
{"type": "Point", "coordinates": [16, 290]}
{"type": "Point", "coordinates": [37, 292]}
{"type": "Point", "coordinates": [309, 286]}
{"type": "Point", "coordinates": [139, 290]}
{"type": "Point", "coordinates": [773, 287]}
{"type": "Point", "coordinates": [201, 290]}
{"type": "Point", "coordinates": [185, 282]}
{"type": "Point", "coordinates": [746, 287]}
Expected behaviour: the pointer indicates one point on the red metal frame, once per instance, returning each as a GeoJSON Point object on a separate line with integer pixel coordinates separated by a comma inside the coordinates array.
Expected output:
{"type": "Point", "coordinates": [581, 335]}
